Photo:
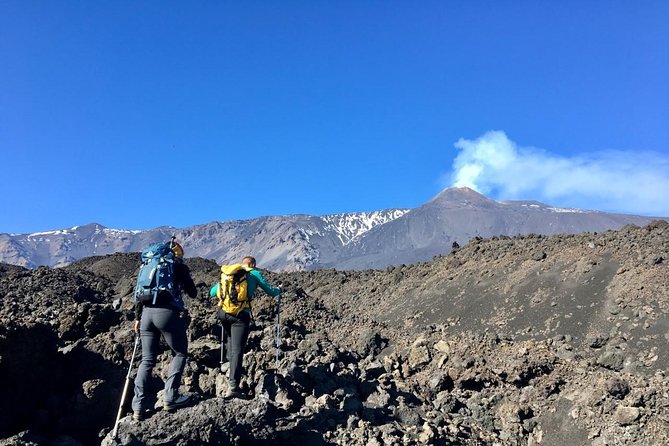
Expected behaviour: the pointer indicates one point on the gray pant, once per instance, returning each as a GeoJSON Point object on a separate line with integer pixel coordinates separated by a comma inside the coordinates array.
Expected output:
{"type": "Point", "coordinates": [157, 321]}
{"type": "Point", "coordinates": [236, 329]}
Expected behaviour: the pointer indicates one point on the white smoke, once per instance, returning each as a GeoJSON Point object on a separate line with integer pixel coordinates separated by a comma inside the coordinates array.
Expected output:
{"type": "Point", "coordinates": [613, 181]}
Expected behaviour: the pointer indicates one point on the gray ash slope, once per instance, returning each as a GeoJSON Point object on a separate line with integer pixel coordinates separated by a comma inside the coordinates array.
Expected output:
{"type": "Point", "coordinates": [541, 340]}
{"type": "Point", "coordinates": [461, 214]}
{"type": "Point", "coordinates": [343, 241]}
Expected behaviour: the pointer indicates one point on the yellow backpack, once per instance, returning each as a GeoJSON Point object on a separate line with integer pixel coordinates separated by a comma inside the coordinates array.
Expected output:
{"type": "Point", "coordinates": [232, 289]}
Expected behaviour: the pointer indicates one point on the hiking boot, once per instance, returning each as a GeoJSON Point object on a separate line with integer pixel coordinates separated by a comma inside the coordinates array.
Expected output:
{"type": "Point", "coordinates": [138, 416]}
{"type": "Point", "coordinates": [234, 392]}
{"type": "Point", "coordinates": [181, 401]}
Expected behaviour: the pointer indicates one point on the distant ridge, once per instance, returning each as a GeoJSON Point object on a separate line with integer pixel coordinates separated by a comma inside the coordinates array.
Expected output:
{"type": "Point", "coordinates": [357, 240]}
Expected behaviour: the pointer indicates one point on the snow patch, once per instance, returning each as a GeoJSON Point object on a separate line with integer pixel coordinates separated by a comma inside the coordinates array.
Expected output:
{"type": "Point", "coordinates": [58, 232]}
{"type": "Point", "coordinates": [114, 232]}
{"type": "Point", "coordinates": [71, 231]}
{"type": "Point", "coordinates": [553, 208]}
{"type": "Point", "coordinates": [567, 210]}
{"type": "Point", "coordinates": [348, 227]}
{"type": "Point", "coordinates": [308, 233]}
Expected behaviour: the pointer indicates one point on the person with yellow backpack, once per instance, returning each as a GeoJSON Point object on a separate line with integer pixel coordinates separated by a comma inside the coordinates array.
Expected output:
{"type": "Point", "coordinates": [234, 291]}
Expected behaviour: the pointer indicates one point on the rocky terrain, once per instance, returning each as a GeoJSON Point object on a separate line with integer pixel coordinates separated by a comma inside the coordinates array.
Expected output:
{"type": "Point", "coordinates": [533, 340]}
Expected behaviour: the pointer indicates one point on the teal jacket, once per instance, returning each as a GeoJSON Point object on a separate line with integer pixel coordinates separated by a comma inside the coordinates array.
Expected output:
{"type": "Point", "coordinates": [255, 279]}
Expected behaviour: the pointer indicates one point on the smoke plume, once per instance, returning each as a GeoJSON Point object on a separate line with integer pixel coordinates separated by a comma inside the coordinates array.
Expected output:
{"type": "Point", "coordinates": [612, 181]}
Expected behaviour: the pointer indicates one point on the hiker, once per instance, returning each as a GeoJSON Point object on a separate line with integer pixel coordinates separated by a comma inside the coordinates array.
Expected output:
{"type": "Point", "coordinates": [235, 315]}
{"type": "Point", "coordinates": [164, 315]}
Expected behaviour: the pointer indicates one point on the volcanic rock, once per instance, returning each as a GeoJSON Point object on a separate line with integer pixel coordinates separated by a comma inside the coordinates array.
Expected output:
{"type": "Point", "coordinates": [485, 346]}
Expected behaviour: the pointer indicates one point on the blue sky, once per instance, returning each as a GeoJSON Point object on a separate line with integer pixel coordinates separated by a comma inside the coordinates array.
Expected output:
{"type": "Point", "coordinates": [234, 110]}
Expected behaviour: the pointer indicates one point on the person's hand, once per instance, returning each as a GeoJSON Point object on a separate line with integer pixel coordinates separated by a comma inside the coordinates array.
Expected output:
{"type": "Point", "coordinates": [137, 326]}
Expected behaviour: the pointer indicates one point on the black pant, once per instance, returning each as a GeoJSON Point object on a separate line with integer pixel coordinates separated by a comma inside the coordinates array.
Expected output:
{"type": "Point", "coordinates": [236, 331]}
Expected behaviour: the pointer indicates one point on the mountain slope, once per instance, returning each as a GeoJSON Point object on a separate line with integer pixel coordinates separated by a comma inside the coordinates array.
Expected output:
{"type": "Point", "coordinates": [61, 247]}
{"type": "Point", "coordinates": [288, 243]}
{"type": "Point", "coordinates": [544, 340]}
{"type": "Point", "coordinates": [343, 241]}
{"type": "Point", "coordinates": [461, 214]}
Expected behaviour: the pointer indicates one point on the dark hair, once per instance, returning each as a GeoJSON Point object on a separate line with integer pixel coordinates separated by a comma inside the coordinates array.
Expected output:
{"type": "Point", "coordinates": [250, 261]}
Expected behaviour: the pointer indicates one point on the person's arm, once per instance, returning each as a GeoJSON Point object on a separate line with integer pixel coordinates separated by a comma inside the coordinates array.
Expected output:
{"type": "Point", "coordinates": [138, 315]}
{"type": "Point", "coordinates": [262, 283]}
{"type": "Point", "coordinates": [186, 280]}
{"type": "Point", "coordinates": [214, 290]}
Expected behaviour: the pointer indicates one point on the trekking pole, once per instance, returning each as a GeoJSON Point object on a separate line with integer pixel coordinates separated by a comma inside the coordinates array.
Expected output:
{"type": "Point", "coordinates": [278, 332]}
{"type": "Point", "coordinates": [125, 389]}
{"type": "Point", "coordinates": [222, 344]}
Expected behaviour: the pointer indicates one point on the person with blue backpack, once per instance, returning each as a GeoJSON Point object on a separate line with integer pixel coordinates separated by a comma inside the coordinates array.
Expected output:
{"type": "Point", "coordinates": [234, 291]}
{"type": "Point", "coordinates": [160, 310]}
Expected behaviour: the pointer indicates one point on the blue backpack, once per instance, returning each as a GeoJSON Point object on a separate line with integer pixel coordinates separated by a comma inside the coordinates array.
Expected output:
{"type": "Point", "coordinates": [156, 275]}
